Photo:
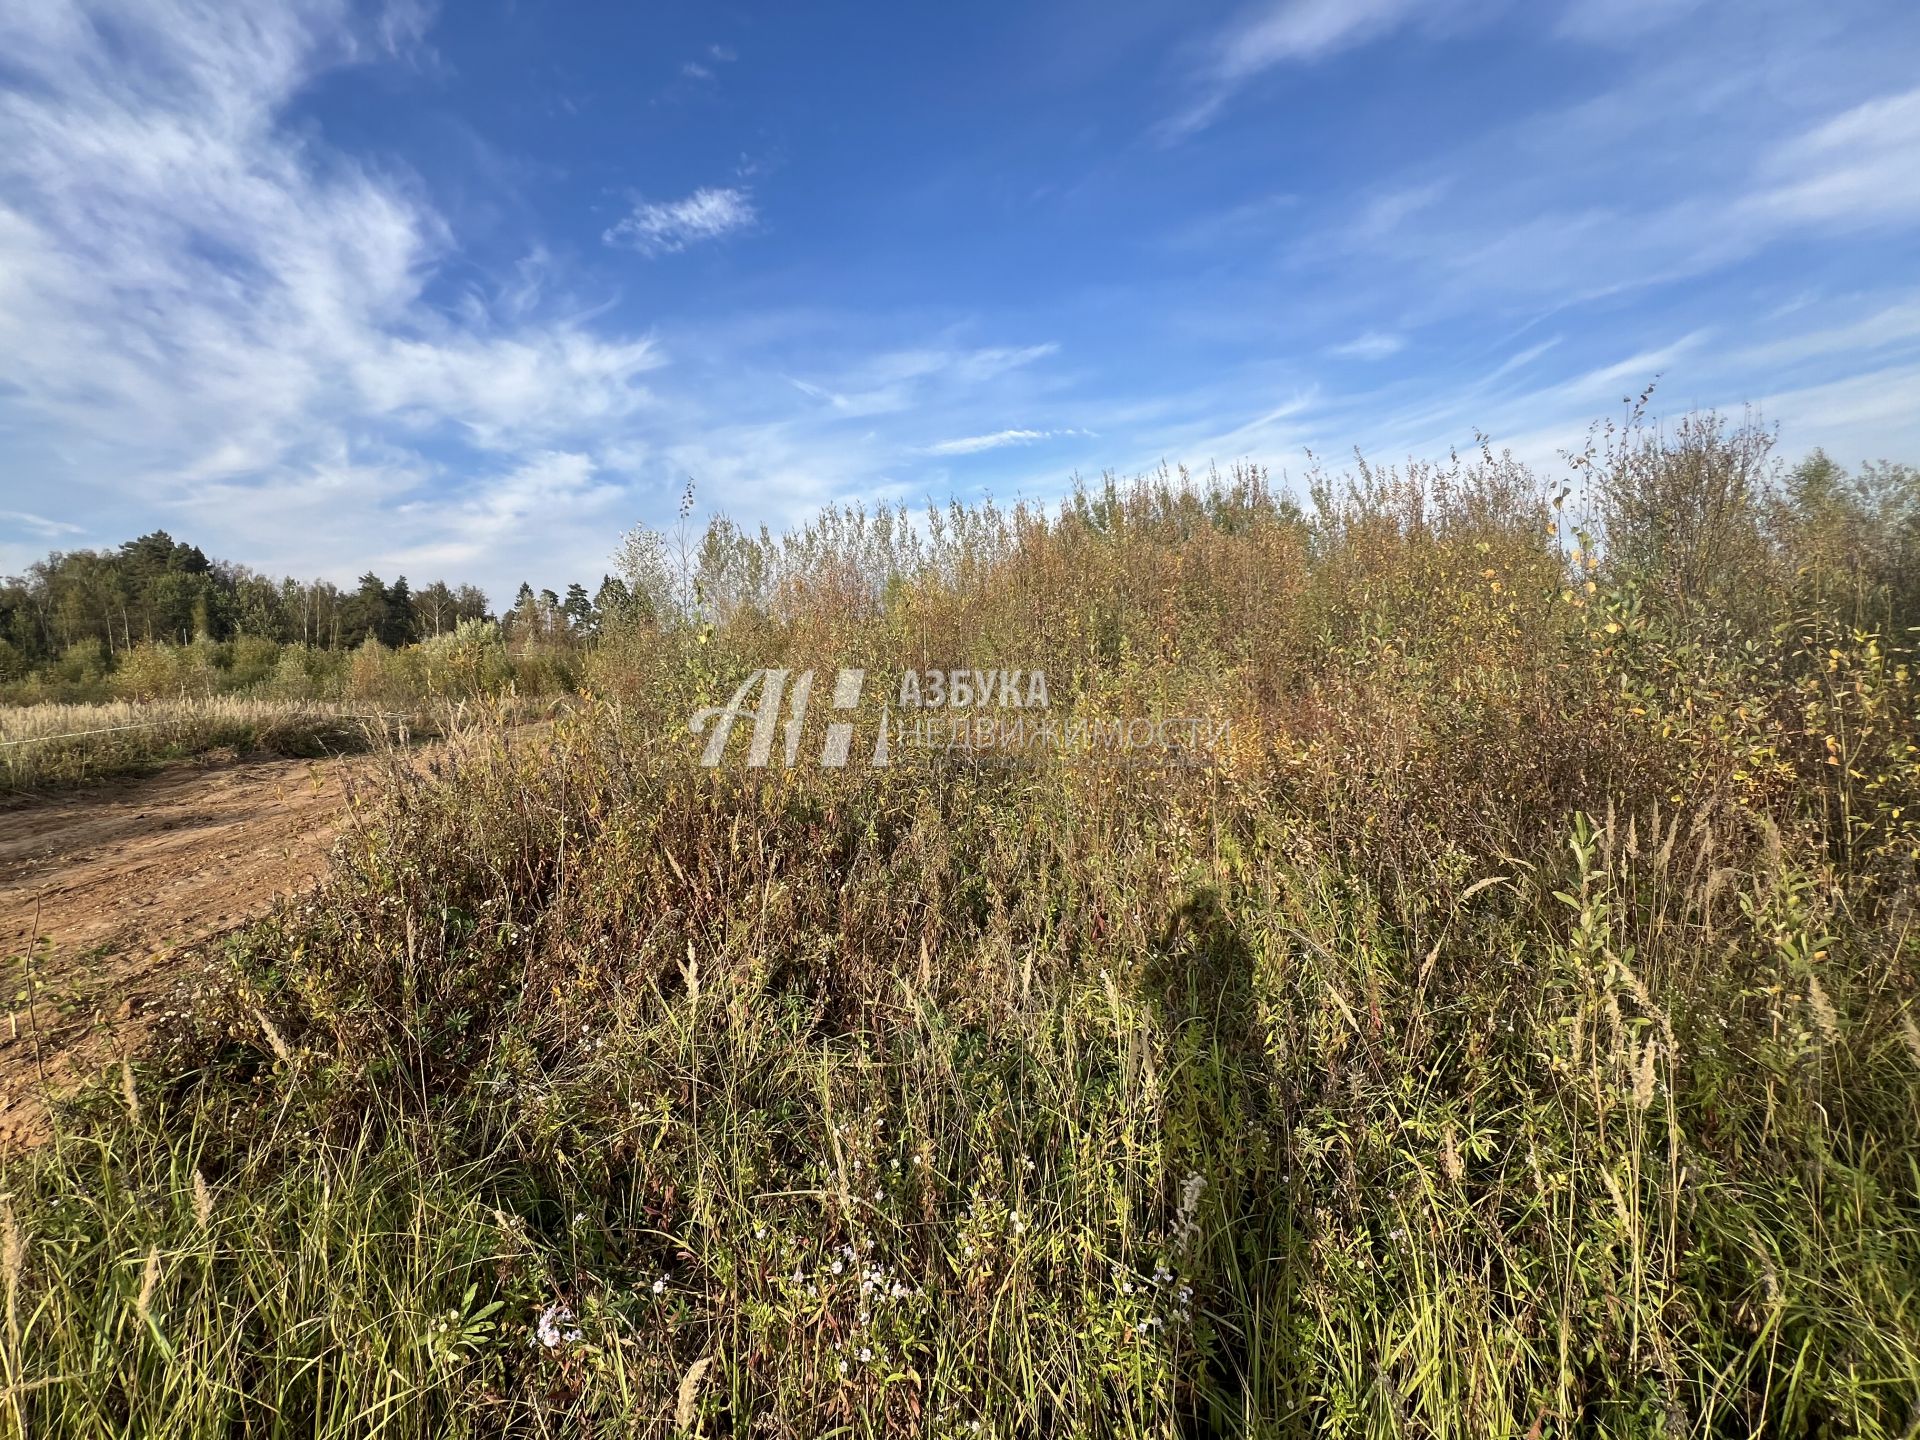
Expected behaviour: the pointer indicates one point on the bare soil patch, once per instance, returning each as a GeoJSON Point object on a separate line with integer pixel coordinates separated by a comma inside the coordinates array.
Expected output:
{"type": "Point", "coordinates": [106, 887]}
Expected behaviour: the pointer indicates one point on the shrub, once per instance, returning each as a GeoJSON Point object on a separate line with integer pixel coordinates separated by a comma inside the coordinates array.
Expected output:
{"type": "Point", "coordinates": [251, 660]}
{"type": "Point", "coordinates": [150, 672]}
{"type": "Point", "coordinates": [469, 662]}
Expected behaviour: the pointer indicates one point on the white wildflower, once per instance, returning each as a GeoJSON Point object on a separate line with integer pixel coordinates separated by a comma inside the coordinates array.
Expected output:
{"type": "Point", "coordinates": [555, 1327]}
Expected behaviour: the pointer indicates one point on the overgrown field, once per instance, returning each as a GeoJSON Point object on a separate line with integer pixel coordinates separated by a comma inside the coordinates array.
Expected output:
{"type": "Point", "coordinates": [1506, 1029]}
{"type": "Point", "coordinates": [182, 701]}
{"type": "Point", "coordinates": [44, 745]}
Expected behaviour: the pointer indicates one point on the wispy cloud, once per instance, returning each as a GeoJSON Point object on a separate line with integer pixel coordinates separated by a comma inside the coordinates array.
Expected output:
{"type": "Point", "coordinates": [894, 380]}
{"type": "Point", "coordinates": [1371, 346]}
{"type": "Point", "coordinates": [1895, 325]}
{"type": "Point", "coordinates": [974, 444]}
{"type": "Point", "coordinates": [546, 489]}
{"type": "Point", "coordinates": [1387, 210]}
{"type": "Point", "coordinates": [1555, 224]}
{"type": "Point", "coordinates": [40, 525]}
{"type": "Point", "coordinates": [1620, 22]}
{"type": "Point", "coordinates": [1523, 358]}
{"type": "Point", "coordinates": [1860, 165]}
{"type": "Point", "coordinates": [665, 228]}
{"type": "Point", "coordinates": [1298, 30]}
{"type": "Point", "coordinates": [1280, 32]}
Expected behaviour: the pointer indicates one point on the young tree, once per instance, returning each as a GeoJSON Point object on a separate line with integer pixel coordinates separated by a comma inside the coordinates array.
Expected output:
{"type": "Point", "coordinates": [525, 618]}
{"type": "Point", "coordinates": [330, 613]}
{"type": "Point", "coordinates": [434, 609]}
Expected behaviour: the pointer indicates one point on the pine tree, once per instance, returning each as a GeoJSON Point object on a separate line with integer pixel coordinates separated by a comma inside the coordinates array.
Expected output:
{"type": "Point", "coordinates": [367, 610]}
{"type": "Point", "coordinates": [578, 609]}
{"type": "Point", "coordinates": [398, 629]}
{"type": "Point", "coordinates": [613, 604]}
{"type": "Point", "coordinates": [526, 612]}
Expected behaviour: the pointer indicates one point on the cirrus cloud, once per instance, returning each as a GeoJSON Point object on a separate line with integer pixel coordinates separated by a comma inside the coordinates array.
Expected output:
{"type": "Point", "coordinates": [974, 444]}
{"type": "Point", "coordinates": [666, 228]}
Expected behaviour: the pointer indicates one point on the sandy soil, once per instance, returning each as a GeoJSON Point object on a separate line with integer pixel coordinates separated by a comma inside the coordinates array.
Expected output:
{"type": "Point", "coordinates": [115, 881]}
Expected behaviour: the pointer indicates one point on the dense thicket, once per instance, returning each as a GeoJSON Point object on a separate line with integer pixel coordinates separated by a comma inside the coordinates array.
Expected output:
{"type": "Point", "coordinates": [1508, 1028]}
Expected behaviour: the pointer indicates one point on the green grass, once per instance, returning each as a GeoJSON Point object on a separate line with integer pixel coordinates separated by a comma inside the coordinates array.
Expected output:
{"type": "Point", "coordinates": [1509, 1033]}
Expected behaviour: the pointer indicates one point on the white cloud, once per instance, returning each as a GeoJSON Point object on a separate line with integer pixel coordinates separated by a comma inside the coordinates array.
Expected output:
{"type": "Point", "coordinates": [1371, 346]}
{"type": "Point", "coordinates": [1387, 210]}
{"type": "Point", "coordinates": [1620, 22]}
{"type": "Point", "coordinates": [1524, 358]}
{"type": "Point", "coordinates": [1862, 165]}
{"type": "Point", "coordinates": [1869, 416]}
{"type": "Point", "coordinates": [665, 228]}
{"type": "Point", "coordinates": [1558, 219]}
{"type": "Point", "coordinates": [1276, 33]}
{"type": "Point", "coordinates": [1303, 30]}
{"type": "Point", "coordinates": [548, 491]}
{"type": "Point", "coordinates": [202, 307]}
{"type": "Point", "coordinates": [40, 525]}
{"type": "Point", "coordinates": [974, 444]}
{"type": "Point", "coordinates": [896, 380]}
{"type": "Point", "coordinates": [1894, 325]}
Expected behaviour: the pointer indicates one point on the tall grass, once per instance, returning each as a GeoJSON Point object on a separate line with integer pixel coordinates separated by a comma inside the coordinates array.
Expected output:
{"type": "Point", "coordinates": [52, 745]}
{"type": "Point", "coordinates": [44, 745]}
{"type": "Point", "coordinates": [1506, 1031]}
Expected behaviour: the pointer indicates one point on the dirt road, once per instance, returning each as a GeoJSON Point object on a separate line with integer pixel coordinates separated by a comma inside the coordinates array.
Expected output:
{"type": "Point", "coordinates": [113, 881]}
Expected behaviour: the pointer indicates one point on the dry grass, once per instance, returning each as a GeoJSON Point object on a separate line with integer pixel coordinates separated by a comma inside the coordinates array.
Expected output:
{"type": "Point", "coordinates": [1507, 1034]}
{"type": "Point", "coordinates": [57, 744]}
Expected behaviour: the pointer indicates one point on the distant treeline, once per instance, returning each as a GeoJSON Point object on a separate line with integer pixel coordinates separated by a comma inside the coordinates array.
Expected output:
{"type": "Point", "coordinates": [158, 590]}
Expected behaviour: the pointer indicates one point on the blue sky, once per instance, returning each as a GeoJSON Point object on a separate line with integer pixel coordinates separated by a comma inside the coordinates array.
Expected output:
{"type": "Point", "coordinates": [467, 291]}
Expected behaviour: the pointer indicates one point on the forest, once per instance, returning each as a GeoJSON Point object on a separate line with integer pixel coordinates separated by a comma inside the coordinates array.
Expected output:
{"type": "Point", "coordinates": [73, 619]}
